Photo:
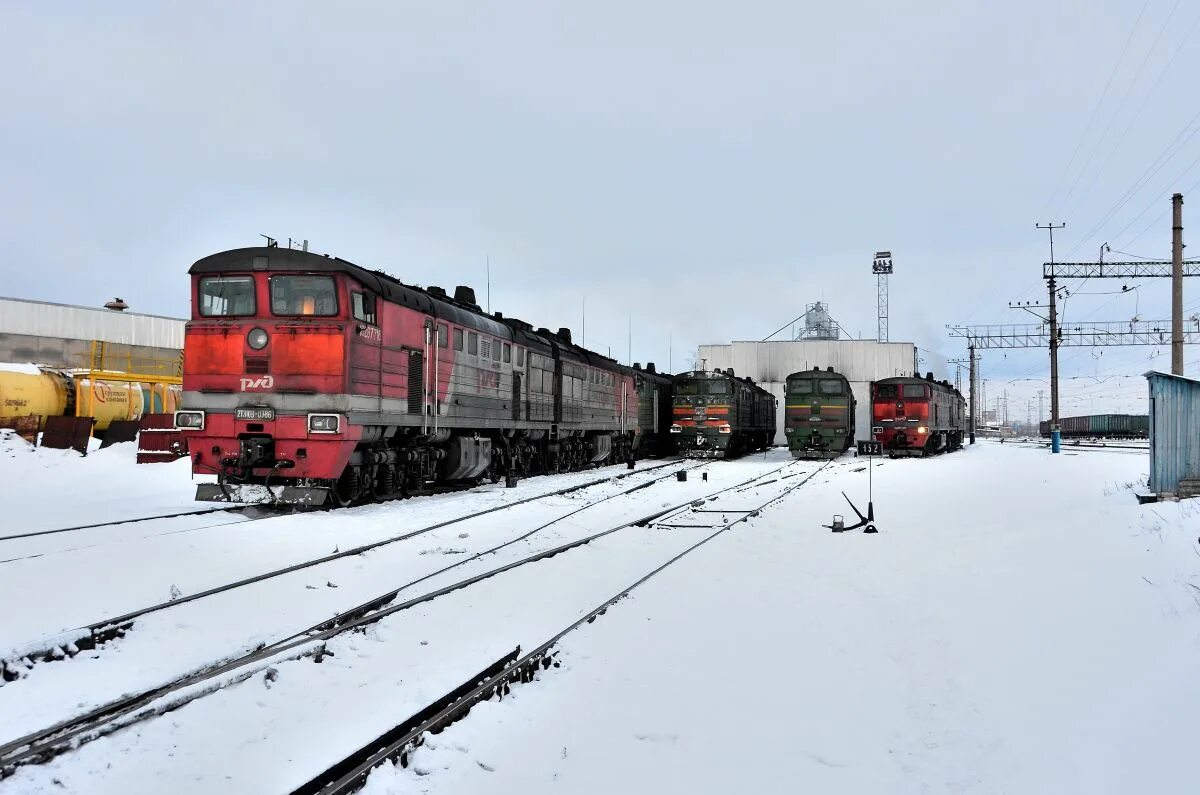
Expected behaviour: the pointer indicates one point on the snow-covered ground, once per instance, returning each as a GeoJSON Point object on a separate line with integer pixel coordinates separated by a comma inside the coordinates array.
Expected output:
{"type": "Point", "coordinates": [1019, 624]}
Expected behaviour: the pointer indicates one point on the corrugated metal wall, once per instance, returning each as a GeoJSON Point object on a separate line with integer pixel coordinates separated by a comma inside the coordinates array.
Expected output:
{"type": "Point", "coordinates": [61, 321]}
{"type": "Point", "coordinates": [861, 361]}
{"type": "Point", "coordinates": [1174, 431]}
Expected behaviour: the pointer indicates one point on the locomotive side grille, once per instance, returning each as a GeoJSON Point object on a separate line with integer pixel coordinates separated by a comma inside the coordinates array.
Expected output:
{"type": "Point", "coordinates": [256, 365]}
{"type": "Point", "coordinates": [416, 383]}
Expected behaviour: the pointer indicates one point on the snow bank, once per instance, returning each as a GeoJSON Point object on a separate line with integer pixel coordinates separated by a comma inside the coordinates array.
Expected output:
{"type": "Point", "coordinates": [46, 489]}
{"type": "Point", "coordinates": [1020, 624]}
{"type": "Point", "coordinates": [15, 367]}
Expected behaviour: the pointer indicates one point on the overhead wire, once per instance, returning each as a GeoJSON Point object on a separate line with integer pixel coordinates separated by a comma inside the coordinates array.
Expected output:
{"type": "Point", "coordinates": [1087, 127]}
{"type": "Point", "coordinates": [1124, 99]}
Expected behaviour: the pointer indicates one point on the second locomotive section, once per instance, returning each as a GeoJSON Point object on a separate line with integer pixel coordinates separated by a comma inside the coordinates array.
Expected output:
{"type": "Point", "coordinates": [717, 415]}
{"type": "Point", "coordinates": [336, 382]}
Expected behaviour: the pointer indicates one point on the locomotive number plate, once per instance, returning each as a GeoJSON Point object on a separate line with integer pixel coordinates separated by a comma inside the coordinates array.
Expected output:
{"type": "Point", "coordinates": [254, 414]}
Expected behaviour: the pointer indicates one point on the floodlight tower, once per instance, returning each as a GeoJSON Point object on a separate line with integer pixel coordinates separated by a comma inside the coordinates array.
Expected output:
{"type": "Point", "coordinates": [882, 268]}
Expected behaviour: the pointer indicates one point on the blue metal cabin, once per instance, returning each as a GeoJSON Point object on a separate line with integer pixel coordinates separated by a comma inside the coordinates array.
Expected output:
{"type": "Point", "coordinates": [1174, 435]}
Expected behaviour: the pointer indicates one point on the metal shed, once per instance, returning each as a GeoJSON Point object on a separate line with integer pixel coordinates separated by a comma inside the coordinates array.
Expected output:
{"type": "Point", "coordinates": [1174, 435]}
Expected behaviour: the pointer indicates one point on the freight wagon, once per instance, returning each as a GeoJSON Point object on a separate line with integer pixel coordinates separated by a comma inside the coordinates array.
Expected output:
{"type": "Point", "coordinates": [1101, 426]}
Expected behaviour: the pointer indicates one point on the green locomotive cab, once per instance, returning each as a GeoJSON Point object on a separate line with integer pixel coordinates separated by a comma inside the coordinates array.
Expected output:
{"type": "Point", "coordinates": [717, 415]}
{"type": "Point", "coordinates": [818, 413]}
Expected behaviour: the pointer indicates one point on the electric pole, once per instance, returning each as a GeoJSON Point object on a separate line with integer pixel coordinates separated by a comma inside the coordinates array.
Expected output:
{"type": "Point", "coordinates": [1041, 409]}
{"type": "Point", "coordinates": [1055, 439]}
{"type": "Point", "coordinates": [1177, 284]}
{"type": "Point", "coordinates": [971, 352]}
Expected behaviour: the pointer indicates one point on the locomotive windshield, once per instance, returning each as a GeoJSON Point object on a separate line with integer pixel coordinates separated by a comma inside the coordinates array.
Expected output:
{"type": "Point", "coordinates": [801, 387]}
{"type": "Point", "coordinates": [914, 391]}
{"type": "Point", "coordinates": [225, 296]}
{"type": "Point", "coordinates": [303, 295]}
{"type": "Point", "coordinates": [885, 391]}
{"type": "Point", "coordinates": [830, 386]}
{"type": "Point", "coordinates": [687, 388]}
{"type": "Point", "coordinates": [716, 387]}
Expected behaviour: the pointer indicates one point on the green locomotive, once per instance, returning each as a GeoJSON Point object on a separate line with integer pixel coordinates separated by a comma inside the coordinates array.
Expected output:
{"type": "Point", "coordinates": [818, 413]}
{"type": "Point", "coordinates": [717, 415]}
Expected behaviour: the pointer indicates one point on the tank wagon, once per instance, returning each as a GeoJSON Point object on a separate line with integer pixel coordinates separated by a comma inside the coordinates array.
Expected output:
{"type": "Point", "coordinates": [326, 381]}
{"type": "Point", "coordinates": [818, 413]}
{"type": "Point", "coordinates": [654, 391]}
{"type": "Point", "coordinates": [1101, 426]}
{"type": "Point", "coordinates": [59, 393]}
{"type": "Point", "coordinates": [718, 415]}
{"type": "Point", "coordinates": [917, 416]}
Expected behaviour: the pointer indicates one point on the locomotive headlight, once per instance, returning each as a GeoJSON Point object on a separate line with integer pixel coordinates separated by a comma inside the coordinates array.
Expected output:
{"type": "Point", "coordinates": [922, 429]}
{"type": "Point", "coordinates": [676, 429]}
{"type": "Point", "coordinates": [257, 339]}
{"type": "Point", "coordinates": [189, 420]}
{"type": "Point", "coordinates": [724, 429]}
{"type": "Point", "coordinates": [324, 423]}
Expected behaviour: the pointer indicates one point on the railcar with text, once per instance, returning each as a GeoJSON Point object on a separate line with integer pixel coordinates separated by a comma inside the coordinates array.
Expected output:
{"type": "Point", "coordinates": [818, 413]}
{"type": "Point", "coordinates": [917, 416]}
{"type": "Point", "coordinates": [718, 415]}
{"type": "Point", "coordinates": [312, 379]}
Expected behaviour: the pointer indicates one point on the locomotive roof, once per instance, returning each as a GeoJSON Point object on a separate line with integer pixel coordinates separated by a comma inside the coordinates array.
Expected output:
{"type": "Point", "coordinates": [697, 375]}
{"type": "Point", "coordinates": [817, 372]}
{"type": "Point", "coordinates": [392, 289]}
{"type": "Point", "coordinates": [944, 386]}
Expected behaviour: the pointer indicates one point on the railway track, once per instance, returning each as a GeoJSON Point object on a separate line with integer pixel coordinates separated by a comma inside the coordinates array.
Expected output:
{"type": "Point", "coordinates": [350, 773]}
{"type": "Point", "coordinates": [100, 525]}
{"type": "Point", "coordinates": [62, 645]}
{"type": "Point", "coordinates": [47, 743]}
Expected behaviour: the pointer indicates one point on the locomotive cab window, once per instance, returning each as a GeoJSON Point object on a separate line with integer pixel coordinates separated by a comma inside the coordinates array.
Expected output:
{"type": "Point", "coordinates": [364, 307]}
{"type": "Point", "coordinates": [495, 350]}
{"type": "Point", "coordinates": [687, 388]}
{"type": "Point", "coordinates": [801, 388]}
{"type": "Point", "coordinates": [830, 386]}
{"type": "Point", "coordinates": [885, 391]}
{"type": "Point", "coordinates": [520, 357]}
{"type": "Point", "coordinates": [443, 334]}
{"type": "Point", "coordinates": [472, 343]}
{"type": "Point", "coordinates": [507, 353]}
{"type": "Point", "coordinates": [914, 391]}
{"type": "Point", "coordinates": [226, 296]}
{"type": "Point", "coordinates": [717, 388]}
{"type": "Point", "coordinates": [303, 296]}
{"type": "Point", "coordinates": [458, 339]}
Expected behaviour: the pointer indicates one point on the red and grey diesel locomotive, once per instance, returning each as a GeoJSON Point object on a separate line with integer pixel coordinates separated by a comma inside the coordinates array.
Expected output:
{"type": "Point", "coordinates": [917, 416]}
{"type": "Point", "coordinates": [325, 381]}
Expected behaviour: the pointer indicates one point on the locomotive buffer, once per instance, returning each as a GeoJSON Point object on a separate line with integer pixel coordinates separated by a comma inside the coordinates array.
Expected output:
{"type": "Point", "coordinates": [870, 449]}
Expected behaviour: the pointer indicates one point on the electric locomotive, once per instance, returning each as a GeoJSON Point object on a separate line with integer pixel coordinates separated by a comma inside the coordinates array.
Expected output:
{"type": "Point", "coordinates": [717, 415]}
{"type": "Point", "coordinates": [917, 416]}
{"type": "Point", "coordinates": [321, 380]}
{"type": "Point", "coordinates": [818, 413]}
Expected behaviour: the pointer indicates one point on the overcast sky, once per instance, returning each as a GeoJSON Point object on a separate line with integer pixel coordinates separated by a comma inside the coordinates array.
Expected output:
{"type": "Point", "coordinates": [704, 169]}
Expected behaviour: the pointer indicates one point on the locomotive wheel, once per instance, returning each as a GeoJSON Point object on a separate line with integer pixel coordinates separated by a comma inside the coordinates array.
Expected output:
{"type": "Point", "coordinates": [346, 490]}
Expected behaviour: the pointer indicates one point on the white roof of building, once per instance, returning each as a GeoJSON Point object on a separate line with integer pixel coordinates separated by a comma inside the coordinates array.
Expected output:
{"type": "Point", "coordinates": [64, 321]}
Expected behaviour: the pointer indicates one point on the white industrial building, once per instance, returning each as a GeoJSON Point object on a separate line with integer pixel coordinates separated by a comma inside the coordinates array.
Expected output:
{"type": "Point", "coordinates": [61, 335]}
{"type": "Point", "coordinates": [860, 361]}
